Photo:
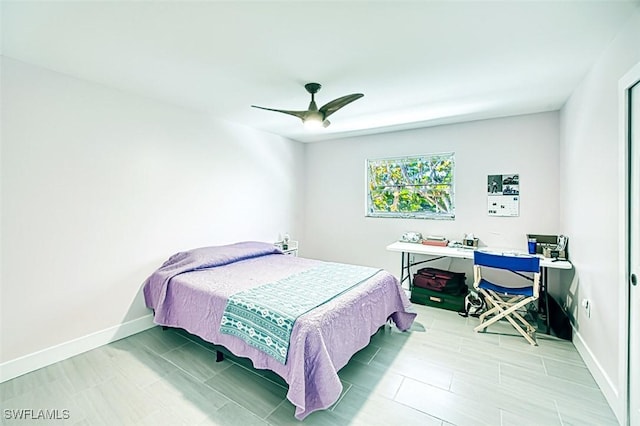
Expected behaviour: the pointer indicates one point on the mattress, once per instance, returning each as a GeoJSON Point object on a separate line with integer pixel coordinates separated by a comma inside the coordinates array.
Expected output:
{"type": "Point", "coordinates": [193, 296]}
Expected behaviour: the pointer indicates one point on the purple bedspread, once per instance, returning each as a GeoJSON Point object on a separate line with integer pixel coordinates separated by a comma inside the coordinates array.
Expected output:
{"type": "Point", "coordinates": [323, 340]}
{"type": "Point", "coordinates": [200, 258]}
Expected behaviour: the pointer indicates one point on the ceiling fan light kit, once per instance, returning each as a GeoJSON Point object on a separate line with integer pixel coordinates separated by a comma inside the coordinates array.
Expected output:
{"type": "Point", "coordinates": [313, 122]}
{"type": "Point", "coordinates": [314, 117]}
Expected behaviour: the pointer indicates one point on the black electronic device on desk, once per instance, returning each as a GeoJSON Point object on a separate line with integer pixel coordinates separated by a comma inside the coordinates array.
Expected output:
{"type": "Point", "coordinates": [551, 246]}
{"type": "Point", "coordinates": [470, 241]}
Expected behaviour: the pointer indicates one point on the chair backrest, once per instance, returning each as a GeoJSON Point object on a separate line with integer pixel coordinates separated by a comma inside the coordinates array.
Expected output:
{"type": "Point", "coordinates": [516, 264]}
{"type": "Point", "coordinates": [510, 263]}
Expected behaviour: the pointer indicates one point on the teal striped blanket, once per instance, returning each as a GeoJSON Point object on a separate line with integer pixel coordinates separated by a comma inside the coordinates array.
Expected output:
{"type": "Point", "coordinates": [264, 316]}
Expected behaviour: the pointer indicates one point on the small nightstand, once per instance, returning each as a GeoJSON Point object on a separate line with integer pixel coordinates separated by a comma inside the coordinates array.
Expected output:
{"type": "Point", "coordinates": [291, 250]}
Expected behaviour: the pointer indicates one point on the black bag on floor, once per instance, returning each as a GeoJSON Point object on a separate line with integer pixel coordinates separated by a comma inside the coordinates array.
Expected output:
{"type": "Point", "coordinates": [440, 280]}
{"type": "Point", "coordinates": [438, 299]}
{"type": "Point", "coordinates": [474, 305]}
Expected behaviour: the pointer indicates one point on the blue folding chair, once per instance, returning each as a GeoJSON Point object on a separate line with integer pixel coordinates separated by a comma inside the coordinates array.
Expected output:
{"type": "Point", "coordinates": [504, 302]}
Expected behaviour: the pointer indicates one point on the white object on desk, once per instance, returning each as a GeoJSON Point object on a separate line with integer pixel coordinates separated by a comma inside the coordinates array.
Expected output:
{"type": "Point", "coordinates": [292, 247]}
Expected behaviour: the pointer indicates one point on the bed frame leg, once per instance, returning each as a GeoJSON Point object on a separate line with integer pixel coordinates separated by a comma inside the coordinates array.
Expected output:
{"type": "Point", "coordinates": [219, 356]}
{"type": "Point", "coordinates": [164, 328]}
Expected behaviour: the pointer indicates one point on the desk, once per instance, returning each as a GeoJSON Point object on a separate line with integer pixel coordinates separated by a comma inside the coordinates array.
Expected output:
{"type": "Point", "coordinates": [437, 252]}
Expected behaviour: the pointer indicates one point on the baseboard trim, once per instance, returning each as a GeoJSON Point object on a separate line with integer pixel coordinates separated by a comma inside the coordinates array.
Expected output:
{"type": "Point", "coordinates": [609, 390]}
{"type": "Point", "coordinates": [25, 364]}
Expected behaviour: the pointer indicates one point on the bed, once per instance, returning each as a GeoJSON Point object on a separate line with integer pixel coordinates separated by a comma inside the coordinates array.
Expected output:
{"type": "Point", "coordinates": [196, 290]}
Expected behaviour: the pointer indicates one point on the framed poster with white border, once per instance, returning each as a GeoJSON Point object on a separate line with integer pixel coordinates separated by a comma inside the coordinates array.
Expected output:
{"type": "Point", "coordinates": [503, 195]}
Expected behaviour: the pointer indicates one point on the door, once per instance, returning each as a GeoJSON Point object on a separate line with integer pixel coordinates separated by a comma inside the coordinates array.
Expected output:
{"type": "Point", "coordinates": [633, 263]}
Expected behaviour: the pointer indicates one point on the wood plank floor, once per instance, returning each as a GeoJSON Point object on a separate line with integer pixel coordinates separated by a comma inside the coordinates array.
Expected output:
{"type": "Point", "coordinates": [439, 373]}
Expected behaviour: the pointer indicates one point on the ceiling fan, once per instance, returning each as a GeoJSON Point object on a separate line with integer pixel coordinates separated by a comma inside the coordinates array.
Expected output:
{"type": "Point", "coordinates": [314, 117]}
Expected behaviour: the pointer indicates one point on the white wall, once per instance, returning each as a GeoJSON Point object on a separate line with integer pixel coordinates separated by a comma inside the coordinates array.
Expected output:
{"type": "Point", "coordinates": [99, 187]}
{"type": "Point", "coordinates": [592, 195]}
{"type": "Point", "coordinates": [337, 229]}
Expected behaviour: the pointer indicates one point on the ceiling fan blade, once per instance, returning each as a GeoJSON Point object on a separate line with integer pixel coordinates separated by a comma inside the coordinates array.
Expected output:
{"type": "Point", "coordinates": [336, 104]}
{"type": "Point", "coordinates": [299, 114]}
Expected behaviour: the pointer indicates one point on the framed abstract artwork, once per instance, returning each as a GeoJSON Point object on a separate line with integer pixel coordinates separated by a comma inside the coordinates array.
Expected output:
{"type": "Point", "coordinates": [419, 187]}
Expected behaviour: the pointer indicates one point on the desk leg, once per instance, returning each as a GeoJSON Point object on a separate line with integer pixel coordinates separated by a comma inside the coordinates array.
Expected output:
{"type": "Point", "coordinates": [404, 269]}
{"type": "Point", "coordinates": [545, 295]}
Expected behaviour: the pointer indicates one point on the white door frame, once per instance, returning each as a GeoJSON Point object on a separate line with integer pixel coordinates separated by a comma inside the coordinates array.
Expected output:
{"type": "Point", "coordinates": [629, 333]}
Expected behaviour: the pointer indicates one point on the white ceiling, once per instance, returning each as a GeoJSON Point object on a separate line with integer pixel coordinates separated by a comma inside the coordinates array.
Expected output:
{"type": "Point", "coordinates": [419, 63]}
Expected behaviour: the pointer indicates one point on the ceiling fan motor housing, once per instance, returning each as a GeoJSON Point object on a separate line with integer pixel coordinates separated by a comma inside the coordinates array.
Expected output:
{"type": "Point", "coordinates": [313, 87]}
